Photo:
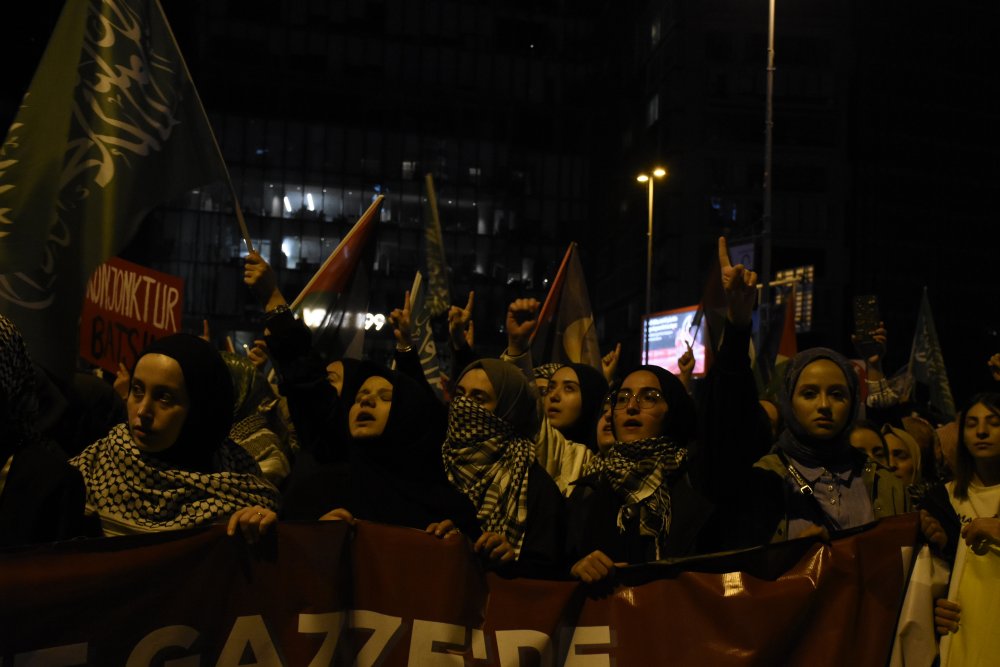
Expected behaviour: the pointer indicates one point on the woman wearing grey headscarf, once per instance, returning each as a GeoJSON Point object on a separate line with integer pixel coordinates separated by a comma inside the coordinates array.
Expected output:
{"type": "Point", "coordinates": [489, 456]}
{"type": "Point", "coordinates": [811, 480]}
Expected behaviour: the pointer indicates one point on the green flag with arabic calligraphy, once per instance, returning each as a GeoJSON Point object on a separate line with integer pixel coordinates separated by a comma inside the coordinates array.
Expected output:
{"type": "Point", "coordinates": [110, 127]}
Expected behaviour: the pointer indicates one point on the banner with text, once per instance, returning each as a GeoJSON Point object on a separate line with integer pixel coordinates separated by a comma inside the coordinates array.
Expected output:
{"type": "Point", "coordinates": [127, 307]}
{"type": "Point", "coordinates": [329, 594]}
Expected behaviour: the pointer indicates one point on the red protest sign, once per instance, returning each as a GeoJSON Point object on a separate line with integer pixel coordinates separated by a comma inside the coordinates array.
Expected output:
{"type": "Point", "coordinates": [126, 307]}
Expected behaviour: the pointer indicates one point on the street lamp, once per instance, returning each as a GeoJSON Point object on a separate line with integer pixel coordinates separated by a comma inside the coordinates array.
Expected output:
{"type": "Point", "coordinates": [658, 172]}
{"type": "Point", "coordinates": [765, 273]}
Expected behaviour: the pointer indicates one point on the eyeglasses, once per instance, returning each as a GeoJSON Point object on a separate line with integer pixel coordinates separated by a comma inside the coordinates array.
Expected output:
{"type": "Point", "coordinates": [645, 399]}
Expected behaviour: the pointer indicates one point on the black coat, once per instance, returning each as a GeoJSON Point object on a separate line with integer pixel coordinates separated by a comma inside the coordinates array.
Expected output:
{"type": "Point", "coordinates": [42, 500]}
{"type": "Point", "coordinates": [593, 522]}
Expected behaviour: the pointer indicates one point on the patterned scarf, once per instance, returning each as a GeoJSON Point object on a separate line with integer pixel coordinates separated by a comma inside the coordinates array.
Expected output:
{"type": "Point", "coordinates": [637, 471]}
{"type": "Point", "coordinates": [18, 401]}
{"type": "Point", "coordinates": [134, 492]}
{"type": "Point", "coordinates": [489, 463]}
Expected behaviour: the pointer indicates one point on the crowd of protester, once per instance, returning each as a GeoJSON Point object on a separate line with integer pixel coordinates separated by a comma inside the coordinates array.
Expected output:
{"type": "Point", "coordinates": [550, 471]}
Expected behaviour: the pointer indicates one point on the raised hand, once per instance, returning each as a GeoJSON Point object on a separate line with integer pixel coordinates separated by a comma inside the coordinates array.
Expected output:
{"type": "Point", "coordinates": [740, 286]}
{"type": "Point", "coordinates": [609, 363]}
{"type": "Point", "coordinates": [994, 366]}
{"type": "Point", "coordinates": [522, 316]}
{"type": "Point", "coordinates": [880, 337]}
{"type": "Point", "coordinates": [470, 334]}
{"type": "Point", "coordinates": [258, 354]}
{"type": "Point", "coordinates": [460, 322]}
{"type": "Point", "coordinates": [262, 281]}
{"type": "Point", "coordinates": [400, 320]}
{"type": "Point", "coordinates": [686, 366]}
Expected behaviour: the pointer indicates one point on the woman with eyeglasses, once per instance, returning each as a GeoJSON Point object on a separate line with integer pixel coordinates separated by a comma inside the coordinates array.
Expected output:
{"type": "Point", "coordinates": [634, 502]}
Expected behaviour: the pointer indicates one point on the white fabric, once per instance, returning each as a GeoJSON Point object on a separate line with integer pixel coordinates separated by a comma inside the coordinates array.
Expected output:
{"type": "Point", "coordinates": [563, 459]}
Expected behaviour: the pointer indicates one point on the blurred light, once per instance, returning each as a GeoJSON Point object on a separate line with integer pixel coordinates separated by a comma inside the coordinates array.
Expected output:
{"type": "Point", "coordinates": [309, 202]}
{"type": "Point", "coordinates": [288, 205]}
{"type": "Point", "coordinates": [659, 172]}
{"type": "Point", "coordinates": [376, 320]}
{"type": "Point", "coordinates": [642, 178]}
{"type": "Point", "coordinates": [313, 317]}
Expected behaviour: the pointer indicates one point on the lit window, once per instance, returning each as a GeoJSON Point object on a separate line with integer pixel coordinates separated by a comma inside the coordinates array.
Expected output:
{"type": "Point", "coordinates": [653, 111]}
{"type": "Point", "coordinates": [803, 278]}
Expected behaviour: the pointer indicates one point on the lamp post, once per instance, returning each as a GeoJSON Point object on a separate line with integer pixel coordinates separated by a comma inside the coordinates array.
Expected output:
{"type": "Point", "coordinates": [658, 172]}
{"type": "Point", "coordinates": [765, 268]}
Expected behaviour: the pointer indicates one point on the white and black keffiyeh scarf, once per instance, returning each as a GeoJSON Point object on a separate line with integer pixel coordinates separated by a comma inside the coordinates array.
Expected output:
{"type": "Point", "coordinates": [489, 463]}
{"type": "Point", "coordinates": [17, 388]}
{"type": "Point", "coordinates": [637, 471]}
{"type": "Point", "coordinates": [136, 493]}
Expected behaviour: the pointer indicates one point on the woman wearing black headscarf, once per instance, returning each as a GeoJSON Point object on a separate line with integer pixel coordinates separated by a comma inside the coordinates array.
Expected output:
{"type": "Point", "coordinates": [489, 456]}
{"type": "Point", "coordinates": [634, 502]}
{"type": "Point", "coordinates": [572, 402]}
{"type": "Point", "coordinates": [172, 465]}
{"type": "Point", "coordinates": [41, 496]}
{"type": "Point", "coordinates": [567, 439]}
{"type": "Point", "coordinates": [393, 472]}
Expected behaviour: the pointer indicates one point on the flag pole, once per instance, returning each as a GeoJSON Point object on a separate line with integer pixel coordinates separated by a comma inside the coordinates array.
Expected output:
{"type": "Point", "coordinates": [215, 144]}
{"type": "Point", "coordinates": [432, 198]}
{"type": "Point", "coordinates": [549, 298]}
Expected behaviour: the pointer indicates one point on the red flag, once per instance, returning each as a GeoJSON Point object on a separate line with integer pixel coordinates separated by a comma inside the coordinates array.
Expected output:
{"type": "Point", "coordinates": [334, 303]}
{"type": "Point", "coordinates": [788, 346]}
{"type": "Point", "coordinates": [565, 332]}
{"type": "Point", "coordinates": [338, 268]}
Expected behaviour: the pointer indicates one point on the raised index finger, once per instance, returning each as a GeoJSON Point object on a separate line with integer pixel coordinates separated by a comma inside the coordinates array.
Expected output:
{"type": "Point", "coordinates": [468, 306]}
{"type": "Point", "coordinates": [724, 253]}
